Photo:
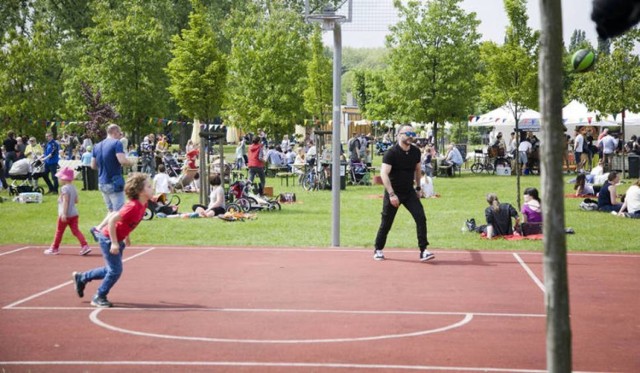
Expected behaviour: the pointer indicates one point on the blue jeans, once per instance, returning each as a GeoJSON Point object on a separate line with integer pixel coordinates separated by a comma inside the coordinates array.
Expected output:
{"type": "Point", "coordinates": [111, 272]}
{"type": "Point", "coordinates": [259, 171]}
{"type": "Point", "coordinates": [51, 169]}
{"type": "Point", "coordinates": [113, 200]}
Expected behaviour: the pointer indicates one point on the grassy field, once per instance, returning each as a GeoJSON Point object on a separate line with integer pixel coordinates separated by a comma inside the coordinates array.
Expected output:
{"type": "Point", "coordinates": [307, 223]}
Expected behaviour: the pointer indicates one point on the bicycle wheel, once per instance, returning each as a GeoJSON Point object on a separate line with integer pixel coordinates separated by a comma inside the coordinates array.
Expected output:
{"type": "Point", "coordinates": [274, 206]}
{"type": "Point", "coordinates": [309, 181]}
{"type": "Point", "coordinates": [477, 168]}
{"type": "Point", "coordinates": [489, 168]}
{"type": "Point", "coordinates": [244, 203]}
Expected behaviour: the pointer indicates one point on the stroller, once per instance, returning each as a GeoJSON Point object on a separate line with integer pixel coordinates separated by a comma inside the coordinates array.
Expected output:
{"type": "Point", "coordinates": [241, 198]}
{"type": "Point", "coordinates": [25, 174]}
{"type": "Point", "coordinates": [162, 204]}
{"type": "Point", "coordinates": [381, 147]}
{"type": "Point", "coordinates": [171, 165]}
{"type": "Point", "coordinates": [358, 174]}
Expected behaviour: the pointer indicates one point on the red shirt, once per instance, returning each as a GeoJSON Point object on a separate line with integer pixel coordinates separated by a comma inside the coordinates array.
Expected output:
{"type": "Point", "coordinates": [254, 156]}
{"type": "Point", "coordinates": [131, 214]}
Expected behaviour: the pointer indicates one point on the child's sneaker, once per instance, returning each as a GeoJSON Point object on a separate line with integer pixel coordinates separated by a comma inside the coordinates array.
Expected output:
{"type": "Point", "coordinates": [85, 250]}
{"type": "Point", "coordinates": [94, 233]}
{"type": "Point", "coordinates": [51, 251]}
{"type": "Point", "coordinates": [101, 302]}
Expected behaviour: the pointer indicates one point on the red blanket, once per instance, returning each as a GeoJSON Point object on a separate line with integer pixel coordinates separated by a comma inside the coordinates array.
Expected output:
{"type": "Point", "coordinates": [515, 237]}
{"type": "Point", "coordinates": [573, 195]}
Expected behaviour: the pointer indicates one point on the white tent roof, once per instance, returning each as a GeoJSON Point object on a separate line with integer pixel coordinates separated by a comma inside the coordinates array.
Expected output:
{"type": "Point", "coordinates": [576, 114]}
{"type": "Point", "coordinates": [503, 116]}
{"type": "Point", "coordinates": [630, 119]}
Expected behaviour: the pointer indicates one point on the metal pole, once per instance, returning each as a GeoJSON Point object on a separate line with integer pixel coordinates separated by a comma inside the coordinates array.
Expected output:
{"type": "Point", "coordinates": [335, 138]}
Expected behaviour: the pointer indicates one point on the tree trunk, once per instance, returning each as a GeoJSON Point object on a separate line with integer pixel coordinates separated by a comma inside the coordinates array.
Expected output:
{"type": "Point", "coordinates": [555, 255]}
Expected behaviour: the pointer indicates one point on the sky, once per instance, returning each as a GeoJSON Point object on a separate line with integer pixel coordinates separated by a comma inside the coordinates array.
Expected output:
{"type": "Point", "coordinates": [576, 14]}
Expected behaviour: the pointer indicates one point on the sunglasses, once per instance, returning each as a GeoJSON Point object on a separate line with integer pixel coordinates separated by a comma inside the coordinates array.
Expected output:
{"type": "Point", "coordinates": [409, 134]}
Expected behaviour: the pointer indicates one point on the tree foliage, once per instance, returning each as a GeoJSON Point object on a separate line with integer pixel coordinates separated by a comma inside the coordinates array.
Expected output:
{"type": "Point", "coordinates": [267, 70]}
{"type": "Point", "coordinates": [614, 83]}
{"type": "Point", "coordinates": [509, 71]}
{"type": "Point", "coordinates": [431, 68]}
{"type": "Point", "coordinates": [318, 95]}
{"type": "Point", "coordinates": [198, 70]}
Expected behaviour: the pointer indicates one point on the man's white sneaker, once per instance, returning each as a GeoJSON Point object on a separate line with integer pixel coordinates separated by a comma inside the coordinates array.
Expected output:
{"type": "Point", "coordinates": [378, 255]}
{"type": "Point", "coordinates": [426, 255]}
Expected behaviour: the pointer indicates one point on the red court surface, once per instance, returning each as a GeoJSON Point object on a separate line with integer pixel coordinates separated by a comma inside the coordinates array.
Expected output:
{"type": "Point", "coordinates": [190, 309]}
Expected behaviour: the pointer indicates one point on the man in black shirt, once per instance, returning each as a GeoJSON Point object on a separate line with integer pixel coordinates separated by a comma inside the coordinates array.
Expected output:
{"type": "Point", "coordinates": [9, 152]}
{"type": "Point", "coordinates": [400, 169]}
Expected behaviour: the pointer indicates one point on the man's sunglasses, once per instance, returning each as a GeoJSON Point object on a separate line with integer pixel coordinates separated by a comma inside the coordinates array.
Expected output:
{"type": "Point", "coordinates": [409, 134]}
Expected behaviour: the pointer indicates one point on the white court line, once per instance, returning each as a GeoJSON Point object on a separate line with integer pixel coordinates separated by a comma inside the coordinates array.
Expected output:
{"type": "Point", "coordinates": [274, 364]}
{"type": "Point", "coordinates": [15, 251]}
{"type": "Point", "coordinates": [62, 285]}
{"type": "Point", "coordinates": [276, 310]}
{"type": "Point", "coordinates": [94, 318]}
{"type": "Point", "coordinates": [535, 279]}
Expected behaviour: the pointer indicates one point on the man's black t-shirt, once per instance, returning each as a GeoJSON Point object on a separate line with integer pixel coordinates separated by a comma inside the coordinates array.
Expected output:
{"type": "Point", "coordinates": [10, 145]}
{"type": "Point", "coordinates": [403, 167]}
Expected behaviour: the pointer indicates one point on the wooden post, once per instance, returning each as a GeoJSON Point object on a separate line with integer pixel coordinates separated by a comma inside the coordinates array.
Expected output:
{"type": "Point", "coordinates": [555, 245]}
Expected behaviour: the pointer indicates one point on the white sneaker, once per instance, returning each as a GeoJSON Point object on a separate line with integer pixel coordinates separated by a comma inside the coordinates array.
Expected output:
{"type": "Point", "coordinates": [378, 255]}
{"type": "Point", "coordinates": [426, 255]}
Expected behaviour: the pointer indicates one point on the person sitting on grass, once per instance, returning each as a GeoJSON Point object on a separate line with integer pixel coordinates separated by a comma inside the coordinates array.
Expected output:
{"type": "Point", "coordinates": [216, 200]}
{"type": "Point", "coordinates": [585, 188]}
{"type": "Point", "coordinates": [532, 208]}
{"type": "Point", "coordinates": [631, 202]}
{"type": "Point", "coordinates": [498, 216]}
{"type": "Point", "coordinates": [608, 196]}
{"type": "Point", "coordinates": [113, 235]}
{"type": "Point", "coordinates": [162, 184]}
{"type": "Point", "coordinates": [426, 184]}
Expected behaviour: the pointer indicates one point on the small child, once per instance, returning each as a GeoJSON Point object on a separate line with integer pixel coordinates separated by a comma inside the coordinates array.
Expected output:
{"type": "Point", "coordinates": [426, 184]}
{"type": "Point", "coordinates": [113, 235]}
{"type": "Point", "coordinates": [67, 213]}
{"type": "Point", "coordinates": [161, 184]}
{"type": "Point", "coordinates": [216, 200]}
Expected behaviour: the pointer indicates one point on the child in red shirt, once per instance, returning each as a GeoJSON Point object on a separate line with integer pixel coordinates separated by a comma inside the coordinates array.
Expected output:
{"type": "Point", "coordinates": [113, 236]}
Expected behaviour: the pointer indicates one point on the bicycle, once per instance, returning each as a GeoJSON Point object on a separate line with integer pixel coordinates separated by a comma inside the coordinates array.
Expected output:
{"type": "Point", "coordinates": [315, 179]}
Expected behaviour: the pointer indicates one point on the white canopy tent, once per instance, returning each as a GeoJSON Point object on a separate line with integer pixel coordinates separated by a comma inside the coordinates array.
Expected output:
{"type": "Point", "coordinates": [528, 120]}
{"type": "Point", "coordinates": [576, 114]}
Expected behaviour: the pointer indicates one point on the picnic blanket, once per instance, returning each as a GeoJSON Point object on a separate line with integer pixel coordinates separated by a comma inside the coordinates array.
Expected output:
{"type": "Point", "coordinates": [515, 237]}
{"type": "Point", "coordinates": [573, 195]}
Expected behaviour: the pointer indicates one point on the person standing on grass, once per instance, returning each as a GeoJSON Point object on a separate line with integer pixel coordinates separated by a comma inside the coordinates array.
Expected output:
{"type": "Point", "coordinates": [113, 236]}
{"type": "Point", "coordinates": [67, 214]}
{"type": "Point", "coordinates": [256, 163]}
{"type": "Point", "coordinates": [50, 159]}
{"type": "Point", "coordinates": [108, 159]}
{"type": "Point", "coordinates": [400, 170]}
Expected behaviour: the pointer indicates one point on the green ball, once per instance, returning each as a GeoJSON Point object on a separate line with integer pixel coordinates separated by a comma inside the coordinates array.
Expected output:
{"type": "Point", "coordinates": [583, 60]}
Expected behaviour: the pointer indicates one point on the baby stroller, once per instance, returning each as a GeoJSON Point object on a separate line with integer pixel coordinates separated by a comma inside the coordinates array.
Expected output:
{"type": "Point", "coordinates": [358, 174]}
{"type": "Point", "coordinates": [162, 204]}
{"type": "Point", "coordinates": [381, 147]}
{"type": "Point", "coordinates": [171, 165]}
{"type": "Point", "coordinates": [25, 174]}
{"type": "Point", "coordinates": [241, 197]}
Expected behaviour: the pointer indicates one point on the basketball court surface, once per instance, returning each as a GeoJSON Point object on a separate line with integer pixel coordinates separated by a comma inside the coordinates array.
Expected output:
{"type": "Point", "coordinates": [202, 309]}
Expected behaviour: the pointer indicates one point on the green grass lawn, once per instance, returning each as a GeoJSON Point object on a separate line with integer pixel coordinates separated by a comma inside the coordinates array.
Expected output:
{"type": "Point", "coordinates": [307, 223]}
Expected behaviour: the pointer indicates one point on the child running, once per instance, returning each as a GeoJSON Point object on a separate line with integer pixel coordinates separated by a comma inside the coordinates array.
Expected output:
{"type": "Point", "coordinates": [118, 225]}
{"type": "Point", "coordinates": [67, 213]}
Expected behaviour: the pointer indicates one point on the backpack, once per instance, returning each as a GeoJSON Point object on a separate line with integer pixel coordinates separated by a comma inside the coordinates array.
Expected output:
{"type": "Point", "coordinates": [354, 145]}
{"type": "Point", "coordinates": [287, 198]}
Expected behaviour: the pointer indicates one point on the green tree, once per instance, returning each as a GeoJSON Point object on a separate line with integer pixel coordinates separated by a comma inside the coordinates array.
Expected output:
{"type": "Point", "coordinates": [510, 73]}
{"type": "Point", "coordinates": [198, 70]}
{"type": "Point", "coordinates": [30, 73]}
{"type": "Point", "coordinates": [614, 84]}
{"type": "Point", "coordinates": [319, 92]}
{"type": "Point", "coordinates": [126, 53]}
{"type": "Point", "coordinates": [267, 70]}
{"type": "Point", "coordinates": [431, 61]}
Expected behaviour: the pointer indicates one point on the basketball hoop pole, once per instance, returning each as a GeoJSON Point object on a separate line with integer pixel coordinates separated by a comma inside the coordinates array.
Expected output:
{"type": "Point", "coordinates": [335, 138]}
{"type": "Point", "coordinates": [331, 21]}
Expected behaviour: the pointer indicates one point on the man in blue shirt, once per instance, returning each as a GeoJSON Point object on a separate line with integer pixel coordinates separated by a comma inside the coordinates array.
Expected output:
{"type": "Point", "coordinates": [108, 159]}
{"type": "Point", "coordinates": [51, 158]}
